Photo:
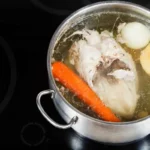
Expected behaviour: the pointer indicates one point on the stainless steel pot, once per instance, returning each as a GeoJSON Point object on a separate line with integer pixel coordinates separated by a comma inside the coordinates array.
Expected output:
{"type": "Point", "coordinates": [87, 126]}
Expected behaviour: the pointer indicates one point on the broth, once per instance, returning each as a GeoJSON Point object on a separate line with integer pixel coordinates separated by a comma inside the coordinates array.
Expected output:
{"type": "Point", "coordinates": [100, 22]}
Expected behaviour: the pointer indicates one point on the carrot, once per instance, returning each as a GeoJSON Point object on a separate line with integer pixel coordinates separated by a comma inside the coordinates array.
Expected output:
{"type": "Point", "coordinates": [76, 85]}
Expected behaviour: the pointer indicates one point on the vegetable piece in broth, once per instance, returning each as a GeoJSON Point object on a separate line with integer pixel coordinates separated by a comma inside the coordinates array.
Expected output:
{"type": "Point", "coordinates": [71, 81]}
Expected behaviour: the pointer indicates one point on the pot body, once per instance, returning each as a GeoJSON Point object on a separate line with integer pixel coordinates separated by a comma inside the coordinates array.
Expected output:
{"type": "Point", "coordinates": [101, 131]}
{"type": "Point", "coordinates": [86, 126]}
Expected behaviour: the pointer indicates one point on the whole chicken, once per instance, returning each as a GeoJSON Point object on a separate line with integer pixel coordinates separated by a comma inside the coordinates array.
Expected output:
{"type": "Point", "coordinates": [108, 70]}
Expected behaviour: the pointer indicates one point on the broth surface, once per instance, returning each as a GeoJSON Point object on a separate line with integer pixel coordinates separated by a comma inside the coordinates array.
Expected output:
{"type": "Point", "coordinates": [100, 22]}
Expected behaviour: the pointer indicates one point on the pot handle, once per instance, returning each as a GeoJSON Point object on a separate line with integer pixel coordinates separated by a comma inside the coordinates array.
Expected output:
{"type": "Point", "coordinates": [38, 102]}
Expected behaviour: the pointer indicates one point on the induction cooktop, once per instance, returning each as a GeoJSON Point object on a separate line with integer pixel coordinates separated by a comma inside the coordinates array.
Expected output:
{"type": "Point", "coordinates": [26, 28]}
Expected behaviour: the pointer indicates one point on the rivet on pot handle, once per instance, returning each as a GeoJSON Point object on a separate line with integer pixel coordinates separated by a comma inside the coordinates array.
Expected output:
{"type": "Point", "coordinates": [38, 102]}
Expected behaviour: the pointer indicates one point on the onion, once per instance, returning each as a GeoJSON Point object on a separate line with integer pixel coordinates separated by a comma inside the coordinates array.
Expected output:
{"type": "Point", "coordinates": [135, 35]}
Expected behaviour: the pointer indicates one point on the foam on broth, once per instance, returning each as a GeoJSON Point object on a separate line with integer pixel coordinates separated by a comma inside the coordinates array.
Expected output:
{"type": "Point", "coordinates": [100, 22]}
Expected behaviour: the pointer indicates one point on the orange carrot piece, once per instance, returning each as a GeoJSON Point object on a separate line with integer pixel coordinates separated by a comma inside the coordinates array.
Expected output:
{"type": "Point", "coordinates": [75, 84]}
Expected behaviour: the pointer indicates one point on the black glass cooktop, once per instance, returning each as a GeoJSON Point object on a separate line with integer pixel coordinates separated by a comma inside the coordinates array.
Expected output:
{"type": "Point", "coordinates": [26, 27]}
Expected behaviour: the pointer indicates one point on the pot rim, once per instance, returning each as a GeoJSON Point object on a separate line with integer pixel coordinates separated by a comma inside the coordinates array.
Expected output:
{"type": "Point", "coordinates": [53, 42]}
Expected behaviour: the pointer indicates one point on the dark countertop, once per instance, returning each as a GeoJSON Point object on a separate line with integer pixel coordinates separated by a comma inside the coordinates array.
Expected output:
{"type": "Point", "coordinates": [26, 28]}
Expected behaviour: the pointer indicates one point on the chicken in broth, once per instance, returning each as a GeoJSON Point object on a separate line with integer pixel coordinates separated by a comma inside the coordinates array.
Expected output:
{"type": "Point", "coordinates": [113, 59]}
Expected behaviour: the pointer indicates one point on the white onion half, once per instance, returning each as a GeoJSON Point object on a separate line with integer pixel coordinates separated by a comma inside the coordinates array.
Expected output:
{"type": "Point", "coordinates": [135, 35]}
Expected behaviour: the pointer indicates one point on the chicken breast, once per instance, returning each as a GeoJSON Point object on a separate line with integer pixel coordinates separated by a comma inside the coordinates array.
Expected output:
{"type": "Point", "coordinates": [108, 69]}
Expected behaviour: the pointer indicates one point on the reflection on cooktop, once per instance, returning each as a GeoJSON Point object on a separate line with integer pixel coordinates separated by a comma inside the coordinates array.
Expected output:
{"type": "Point", "coordinates": [8, 74]}
{"type": "Point", "coordinates": [76, 142]}
{"type": "Point", "coordinates": [58, 7]}
{"type": "Point", "coordinates": [66, 7]}
{"type": "Point", "coordinates": [32, 134]}
{"type": "Point", "coordinates": [81, 143]}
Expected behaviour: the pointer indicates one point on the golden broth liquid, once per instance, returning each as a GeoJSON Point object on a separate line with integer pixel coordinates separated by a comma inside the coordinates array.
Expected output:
{"type": "Point", "coordinates": [100, 23]}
